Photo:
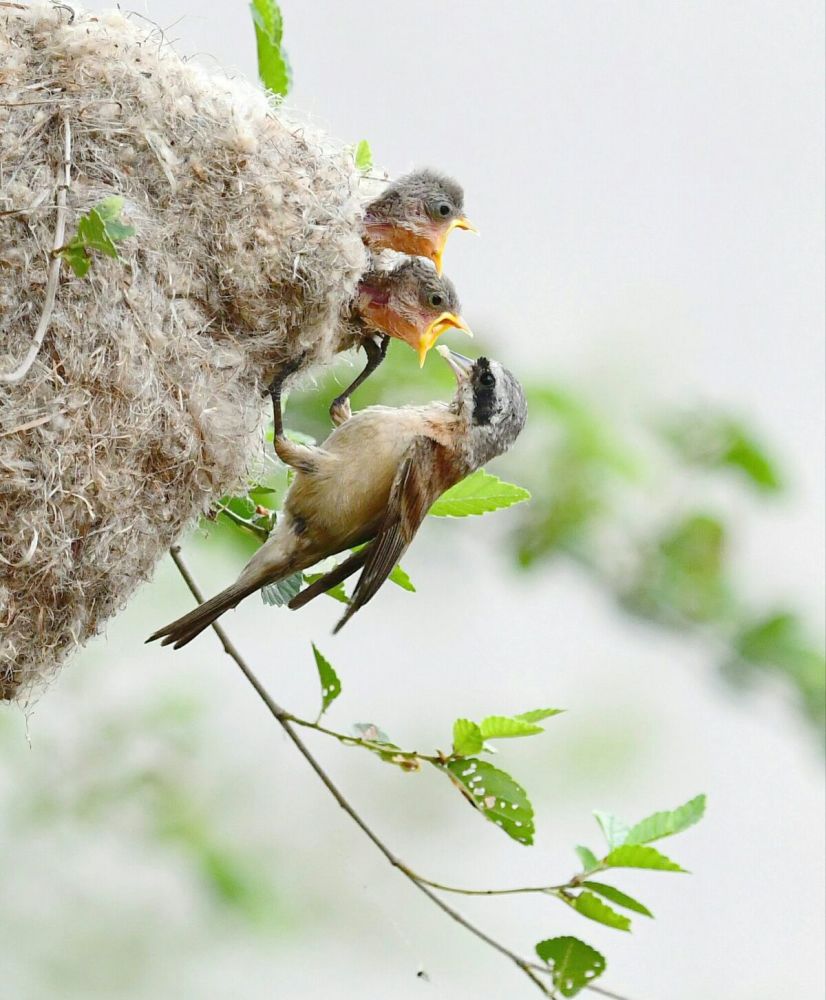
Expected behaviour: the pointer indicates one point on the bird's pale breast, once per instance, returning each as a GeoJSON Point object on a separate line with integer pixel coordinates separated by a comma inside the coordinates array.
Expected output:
{"type": "Point", "coordinates": [345, 498]}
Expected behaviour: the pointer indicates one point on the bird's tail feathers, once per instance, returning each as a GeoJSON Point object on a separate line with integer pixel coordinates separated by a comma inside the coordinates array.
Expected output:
{"type": "Point", "coordinates": [184, 629]}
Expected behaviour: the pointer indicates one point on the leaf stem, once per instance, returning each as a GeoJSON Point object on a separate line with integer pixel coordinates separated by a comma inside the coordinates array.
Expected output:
{"type": "Point", "coordinates": [243, 522]}
{"type": "Point", "coordinates": [377, 747]}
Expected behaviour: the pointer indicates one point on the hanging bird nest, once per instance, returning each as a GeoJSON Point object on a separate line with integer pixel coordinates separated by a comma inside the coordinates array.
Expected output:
{"type": "Point", "coordinates": [130, 399]}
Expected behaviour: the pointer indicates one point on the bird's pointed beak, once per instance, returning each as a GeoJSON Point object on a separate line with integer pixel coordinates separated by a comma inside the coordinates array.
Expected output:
{"type": "Point", "coordinates": [447, 321]}
{"type": "Point", "coordinates": [460, 365]}
{"type": "Point", "coordinates": [440, 242]}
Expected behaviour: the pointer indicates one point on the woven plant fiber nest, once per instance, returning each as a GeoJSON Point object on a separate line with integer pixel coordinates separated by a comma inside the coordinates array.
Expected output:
{"type": "Point", "coordinates": [143, 403]}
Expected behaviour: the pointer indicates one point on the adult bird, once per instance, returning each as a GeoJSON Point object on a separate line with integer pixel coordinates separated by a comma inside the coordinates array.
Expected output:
{"type": "Point", "coordinates": [372, 481]}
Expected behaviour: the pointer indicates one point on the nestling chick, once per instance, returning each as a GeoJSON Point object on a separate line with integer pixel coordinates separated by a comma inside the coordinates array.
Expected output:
{"type": "Point", "coordinates": [410, 303]}
{"type": "Point", "coordinates": [415, 215]}
{"type": "Point", "coordinates": [373, 480]}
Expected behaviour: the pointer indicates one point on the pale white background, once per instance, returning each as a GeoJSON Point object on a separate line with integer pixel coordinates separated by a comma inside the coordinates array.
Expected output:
{"type": "Point", "coordinates": [648, 178]}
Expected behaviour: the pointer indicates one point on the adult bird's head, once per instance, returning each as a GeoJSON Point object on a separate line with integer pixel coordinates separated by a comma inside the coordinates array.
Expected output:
{"type": "Point", "coordinates": [491, 404]}
{"type": "Point", "coordinates": [411, 303]}
{"type": "Point", "coordinates": [416, 214]}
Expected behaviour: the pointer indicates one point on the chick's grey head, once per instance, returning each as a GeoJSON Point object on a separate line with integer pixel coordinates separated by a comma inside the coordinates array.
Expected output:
{"type": "Point", "coordinates": [418, 285]}
{"type": "Point", "coordinates": [416, 214]}
{"type": "Point", "coordinates": [491, 401]}
{"type": "Point", "coordinates": [411, 303]}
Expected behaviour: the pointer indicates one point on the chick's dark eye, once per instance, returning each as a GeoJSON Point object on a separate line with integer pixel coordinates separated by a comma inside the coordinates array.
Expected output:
{"type": "Point", "coordinates": [487, 379]}
{"type": "Point", "coordinates": [443, 209]}
{"type": "Point", "coordinates": [436, 299]}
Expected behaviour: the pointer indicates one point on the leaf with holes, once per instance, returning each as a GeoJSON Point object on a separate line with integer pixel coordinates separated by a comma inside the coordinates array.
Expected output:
{"type": "Point", "coordinates": [639, 856]}
{"type": "Point", "coordinates": [574, 964]}
{"type": "Point", "coordinates": [588, 858]}
{"type": "Point", "coordinates": [538, 714]}
{"type": "Point", "coordinates": [273, 65]}
{"type": "Point", "coordinates": [499, 727]}
{"type": "Point", "coordinates": [614, 830]}
{"type": "Point", "coordinates": [615, 896]}
{"type": "Point", "coordinates": [496, 795]}
{"type": "Point", "coordinates": [593, 908]}
{"type": "Point", "coordinates": [666, 824]}
{"type": "Point", "coordinates": [363, 156]}
{"type": "Point", "coordinates": [328, 679]}
{"type": "Point", "coordinates": [478, 493]}
{"type": "Point", "coordinates": [281, 593]}
{"type": "Point", "coordinates": [467, 739]}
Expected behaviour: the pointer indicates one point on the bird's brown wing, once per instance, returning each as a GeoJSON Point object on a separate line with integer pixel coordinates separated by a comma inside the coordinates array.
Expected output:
{"type": "Point", "coordinates": [335, 576]}
{"type": "Point", "coordinates": [424, 474]}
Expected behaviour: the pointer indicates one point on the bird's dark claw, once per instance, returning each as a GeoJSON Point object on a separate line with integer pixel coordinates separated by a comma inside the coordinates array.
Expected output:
{"type": "Point", "coordinates": [340, 411]}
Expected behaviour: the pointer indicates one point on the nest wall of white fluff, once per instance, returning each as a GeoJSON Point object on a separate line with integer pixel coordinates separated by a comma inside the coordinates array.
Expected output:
{"type": "Point", "coordinates": [144, 401]}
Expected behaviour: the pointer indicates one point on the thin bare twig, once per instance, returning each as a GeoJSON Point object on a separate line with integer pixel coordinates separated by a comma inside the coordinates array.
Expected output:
{"type": "Point", "coordinates": [287, 722]}
{"type": "Point", "coordinates": [283, 718]}
{"type": "Point", "coordinates": [54, 264]}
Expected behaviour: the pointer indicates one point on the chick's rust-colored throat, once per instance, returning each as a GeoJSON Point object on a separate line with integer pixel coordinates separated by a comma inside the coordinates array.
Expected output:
{"type": "Point", "coordinates": [403, 240]}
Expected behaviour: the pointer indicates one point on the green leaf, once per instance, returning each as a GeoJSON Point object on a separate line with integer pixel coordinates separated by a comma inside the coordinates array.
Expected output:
{"type": "Point", "coordinates": [639, 856]}
{"type": "Point", "coordinates": [478, 493]}
{"type": "Point", "coordinates": [745, 454]}
{"type": "Point", "coordinates": [364, 156]}
{"type": "Point", "coordinates": [615, 896]}
{"type": "Point", "coordinates": [327, 677]}
{"type": "Point", "coordinates": [75, 257]}
{"type": "Point", "coordinates": [91, 233]}
{"type": "Point", "coordinates": [575, 964]}
{"type": "Point", "coordinates": [593, 908]}
{"type": "Point", "coordinates": [278, 594]}
{"type": "Point", "coordinates": [538, 714]}
{"type": "Point", "coordinates": [401, 579]}
{"type": "Point", "coordinates": [273, 65]}
{"type": "Point", "coordinates": [117, 230]}
{"type": "Point", "coordinates": [498, 727]}
{"type": "Point", "coordinates": [614, 830]}
{"type": "Point", "coordinates": [716, 441]}
{"type": "Point", "coordinates": [778, 643]}
{"type": "Point", "coordinates": [467, 739]}
{"type": "Point", "coordinates": [666, 824]}
{"type": "Point", "coordinates": [109, 212]}
{"type": "Point", "coordinates": [496, 795]}
{"type": "Point", "coordinates": [100, 229]}
{"type": "Point", "coordinates": [588, 858]}
{"type": "Point", "coordinates": [110, 208]}
{"type": "Point", "coordinates": [338, 592]}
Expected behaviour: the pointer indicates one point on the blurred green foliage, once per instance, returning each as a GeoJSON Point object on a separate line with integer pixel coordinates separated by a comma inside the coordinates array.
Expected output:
{"type": "Point", "coordinates": [613, 498]}
{"type": "Point", "coordinates": [139, 771]}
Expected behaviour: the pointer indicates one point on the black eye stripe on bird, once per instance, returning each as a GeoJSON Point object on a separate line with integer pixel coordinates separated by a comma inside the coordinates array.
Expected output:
{"type": "Point", "coordinates": [484, 392]}
{"type": "Point", "coordinates": [373, 480]}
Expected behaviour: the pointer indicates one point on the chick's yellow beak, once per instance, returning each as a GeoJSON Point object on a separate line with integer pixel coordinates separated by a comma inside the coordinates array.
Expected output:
{"type": "Point", "coordinates": [446, 321]}
{"type": "Point", "coordinates": [439, 248]}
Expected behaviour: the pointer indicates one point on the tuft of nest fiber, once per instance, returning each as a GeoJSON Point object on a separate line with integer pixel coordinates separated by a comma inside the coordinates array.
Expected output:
{"type": "Point", "coordinates": [143, 403]}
